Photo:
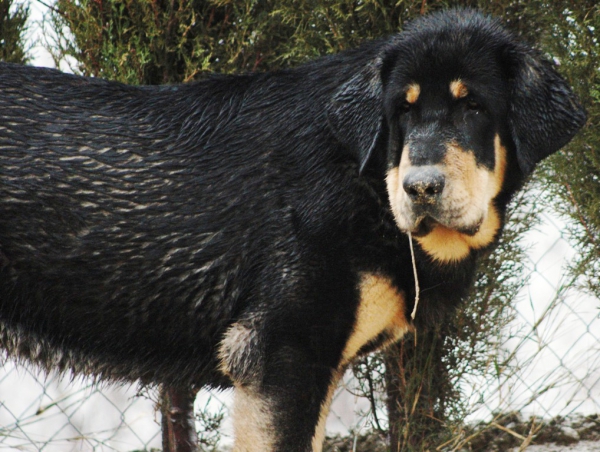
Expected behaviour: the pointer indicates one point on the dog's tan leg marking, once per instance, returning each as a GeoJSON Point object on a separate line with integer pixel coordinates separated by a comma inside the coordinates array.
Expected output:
{"type": "Point", "coordinates": [412, 93]}
{"type": "Point", "coordinates": [458, 89]}
{"type": "Point", "coordinates": [252, 422]}
{"type": "Point", "coordinates": [319, 437]}
{"type": "Point", "coordinates": [252, 413]}
{"type": "Point", "coordinates": [381, 310]}
{"type": "Point", "coordinates": [480, 186]}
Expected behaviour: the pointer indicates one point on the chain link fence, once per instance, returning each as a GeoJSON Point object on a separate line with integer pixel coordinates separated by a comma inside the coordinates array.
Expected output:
{"type": "Point", "coordinates": [554, 342]}
{"type": "Point", "coordinates": [39, 412]}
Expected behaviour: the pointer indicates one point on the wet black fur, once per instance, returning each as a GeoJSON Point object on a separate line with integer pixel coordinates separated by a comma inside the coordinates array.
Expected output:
{"type": "Point", "coordinates": [138, 223]}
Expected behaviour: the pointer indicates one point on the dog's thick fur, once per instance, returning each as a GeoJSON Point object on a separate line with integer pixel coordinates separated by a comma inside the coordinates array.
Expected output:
{"type": "Point", "coordinates": [251, 230]}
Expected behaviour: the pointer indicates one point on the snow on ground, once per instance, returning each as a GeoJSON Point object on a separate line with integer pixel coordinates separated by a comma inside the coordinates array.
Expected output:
{"type": "Point", "coordinates": [582, 446]}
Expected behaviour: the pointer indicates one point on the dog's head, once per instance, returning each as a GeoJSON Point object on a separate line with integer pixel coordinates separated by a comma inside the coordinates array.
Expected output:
{"type": "Point", "coordinates": [463, 112]}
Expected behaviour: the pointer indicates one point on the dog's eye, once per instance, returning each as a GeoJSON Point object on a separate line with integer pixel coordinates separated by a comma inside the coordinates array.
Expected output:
{"type": "Point", "coordinates": [405, 107]}
{"type": "Point", "coordinates": [473, 105]}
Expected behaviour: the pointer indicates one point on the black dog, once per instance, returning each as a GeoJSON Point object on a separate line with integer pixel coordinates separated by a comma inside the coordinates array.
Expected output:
{"type": "Point", "coordinates": [251, 230]}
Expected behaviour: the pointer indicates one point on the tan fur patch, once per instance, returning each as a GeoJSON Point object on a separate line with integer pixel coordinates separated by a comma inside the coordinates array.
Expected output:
{"type": "Point", "coordinates": [397, 196]}
{"type": "Point", "coordinates": [480, 187]}
{"type": "Point", "coordinates": [448, 245]}
{"type": "Point", "coordinates": [458, 89]}
{"type": "Point", "coordinates": [319, 436]}
{"type": "Point", "coordinates": [467, 185]}
{"type": "Point", "coordinates": [232, 345]}
{"type": "Point", "coordinates": [392, 181]}
{"type": "Point", "coordinates": [252, 426]}
{"type": "Point", "coordinates": [381, 309]}
{"type": "Point", "coordinates": [499, 167]}
{"type": "Point", "coordinates": [412, 93]}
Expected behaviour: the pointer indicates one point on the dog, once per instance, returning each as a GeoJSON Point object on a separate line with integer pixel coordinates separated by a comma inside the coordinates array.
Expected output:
{"type": "Point", "coordinates": [255, 230]}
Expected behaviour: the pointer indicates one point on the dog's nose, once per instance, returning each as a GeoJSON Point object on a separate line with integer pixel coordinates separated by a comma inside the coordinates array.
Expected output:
{"type": "Point", "coordinates": [424, 184]}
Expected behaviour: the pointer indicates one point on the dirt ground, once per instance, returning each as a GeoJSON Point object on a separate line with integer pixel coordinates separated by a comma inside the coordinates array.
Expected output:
{"type": "Point", "coordinates": [509, 433]}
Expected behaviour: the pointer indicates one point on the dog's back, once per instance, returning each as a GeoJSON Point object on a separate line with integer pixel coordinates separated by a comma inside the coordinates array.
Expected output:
{"type": "Point", "coordinates": [139, 222]}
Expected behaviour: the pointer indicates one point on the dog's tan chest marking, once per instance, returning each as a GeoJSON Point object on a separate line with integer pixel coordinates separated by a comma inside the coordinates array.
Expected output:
{"type": "Point", "coordinates": [381, 310]}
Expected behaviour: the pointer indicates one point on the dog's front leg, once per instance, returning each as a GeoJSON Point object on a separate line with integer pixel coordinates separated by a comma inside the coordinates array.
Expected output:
{"type": "Point", "coordinates": [281, 398]}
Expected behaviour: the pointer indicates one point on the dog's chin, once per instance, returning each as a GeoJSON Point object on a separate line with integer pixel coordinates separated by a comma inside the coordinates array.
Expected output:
{"type": "Point", "coordinates": [425, 225]}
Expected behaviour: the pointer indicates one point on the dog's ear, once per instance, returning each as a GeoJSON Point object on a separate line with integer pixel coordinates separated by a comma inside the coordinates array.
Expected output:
{"type": "Point", "coordinates": [355, 113]}
{"type": "Point", "coordinates": [544, 112]}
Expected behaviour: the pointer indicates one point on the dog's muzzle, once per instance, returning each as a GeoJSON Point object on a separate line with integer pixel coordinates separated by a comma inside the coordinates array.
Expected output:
{"type": "Point", "coordinates": [424, 186]}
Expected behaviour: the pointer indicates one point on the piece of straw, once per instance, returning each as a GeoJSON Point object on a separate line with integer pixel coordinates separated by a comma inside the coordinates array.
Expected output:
{"type": "Point", "coordinates": [417, 288]}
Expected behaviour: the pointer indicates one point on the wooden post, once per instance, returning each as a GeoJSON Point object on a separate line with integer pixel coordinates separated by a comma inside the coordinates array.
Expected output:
{"type": "Point", "coordinates": [178, 426]}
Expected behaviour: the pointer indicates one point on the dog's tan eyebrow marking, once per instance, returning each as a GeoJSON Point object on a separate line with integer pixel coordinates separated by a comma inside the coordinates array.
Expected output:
{"type": "Point", "coordinates": [412, 93]}
{"type": "Point", "coordinates": [458, 89]}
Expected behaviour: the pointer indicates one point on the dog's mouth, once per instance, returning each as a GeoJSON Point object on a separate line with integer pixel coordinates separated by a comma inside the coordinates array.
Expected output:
{"type": "Point", "coordinates": [423, 226]}
{"type": "Point", "coordinates": [426, 224]}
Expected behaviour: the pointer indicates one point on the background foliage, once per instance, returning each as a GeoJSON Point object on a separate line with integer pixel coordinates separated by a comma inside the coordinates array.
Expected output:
{"type": "Point", "coordinates": [572, 177]}
{"type": "Point", "coordinates": [13, 28]}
